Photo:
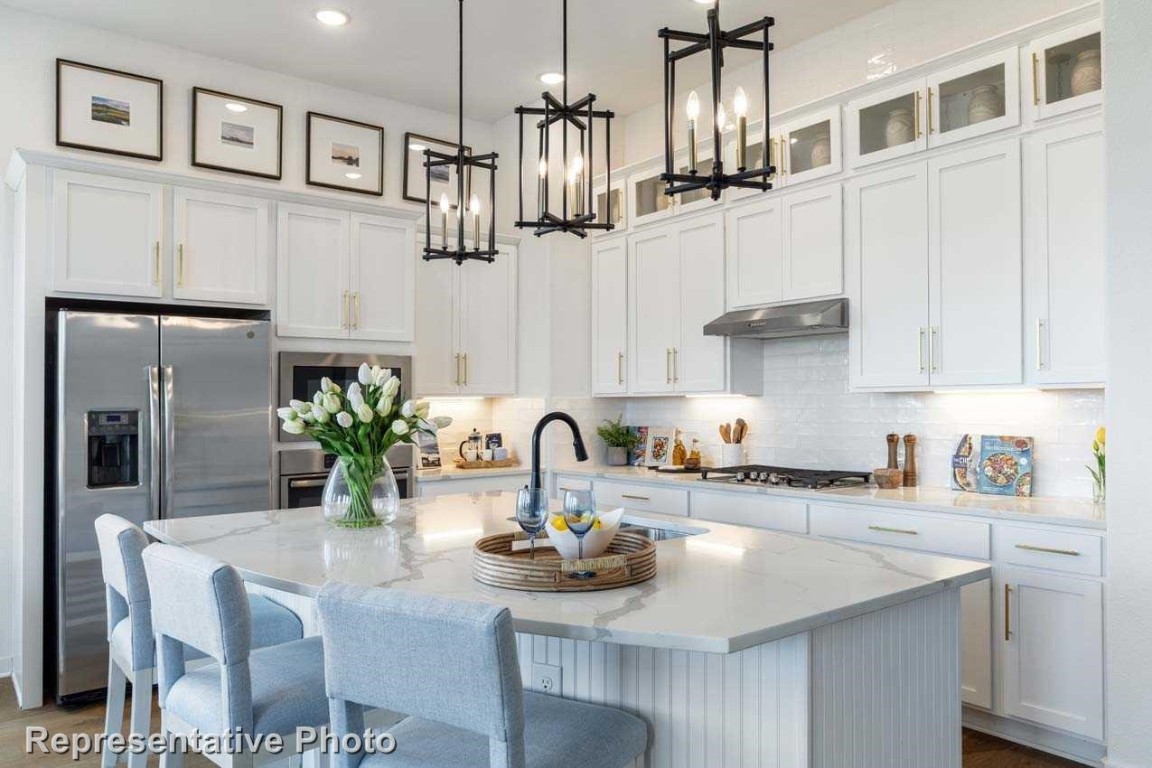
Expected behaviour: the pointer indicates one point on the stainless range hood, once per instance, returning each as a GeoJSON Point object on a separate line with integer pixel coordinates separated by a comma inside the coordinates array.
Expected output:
{"type": "Point", "coordinates": [811, 318]}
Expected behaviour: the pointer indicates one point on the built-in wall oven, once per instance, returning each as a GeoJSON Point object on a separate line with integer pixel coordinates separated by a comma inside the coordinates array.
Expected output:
{"type": "Point", "coordinates": [303, 472]}
{"type": "Point", "coordinates": [301, 373]}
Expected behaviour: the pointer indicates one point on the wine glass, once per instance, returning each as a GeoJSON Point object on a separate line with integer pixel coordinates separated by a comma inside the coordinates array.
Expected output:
{"type": "Point", "coordinates": [532, 514]}
{"type": "Point", "coordinates": [580, 515]}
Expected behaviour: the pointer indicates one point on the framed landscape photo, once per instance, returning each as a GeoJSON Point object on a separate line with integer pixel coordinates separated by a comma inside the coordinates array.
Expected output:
{"type": "Point", "coordinates": [237, 134]}
{"type": "Point", "coordinates": [443, 177]}
{"type": "Point", "coordinates": [345, 154]}
{"type": "Point", "coordinates": [106, 110]}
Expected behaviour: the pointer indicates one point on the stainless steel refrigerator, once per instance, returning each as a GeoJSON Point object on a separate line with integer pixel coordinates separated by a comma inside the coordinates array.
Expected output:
{"type": "Point", "coordinates": [155, 416]}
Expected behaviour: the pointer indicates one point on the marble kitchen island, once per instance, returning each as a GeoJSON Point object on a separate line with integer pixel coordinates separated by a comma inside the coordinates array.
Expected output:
{"type": "Point", "coordinates": [748, 648]}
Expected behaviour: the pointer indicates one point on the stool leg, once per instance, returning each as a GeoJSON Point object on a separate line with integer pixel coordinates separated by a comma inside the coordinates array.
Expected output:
{"type": "Point", "coordinates": [114, 713]}
{"type": "Point", "coordinates": [174, 759]}
{"type": "Point", "coordinates": [141, 713]}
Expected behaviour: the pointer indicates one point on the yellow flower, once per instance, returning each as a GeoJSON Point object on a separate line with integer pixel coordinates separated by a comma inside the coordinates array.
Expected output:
{"type": "Point", "coordinates": [1101, 435]}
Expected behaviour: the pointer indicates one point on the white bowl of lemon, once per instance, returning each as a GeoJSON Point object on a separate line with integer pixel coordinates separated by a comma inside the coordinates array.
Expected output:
{"type": "Point", "coordinates": [595, 541]}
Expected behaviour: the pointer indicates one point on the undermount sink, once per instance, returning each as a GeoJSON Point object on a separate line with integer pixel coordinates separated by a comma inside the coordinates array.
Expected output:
{"type": "Point", "coordinates": [658, 532]}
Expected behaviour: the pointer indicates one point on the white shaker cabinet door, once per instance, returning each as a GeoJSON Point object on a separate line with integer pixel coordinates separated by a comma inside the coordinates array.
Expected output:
{"type": "Point", "coordinates": [383, 279]}
{"type": "Point", "coordinates": [1064, 255]}
{"type": "Point", "coordinates": [221, 244]}
{"type": "Point", "coordinates": [1053, 650]}
{"type": "Point", "coordinates": [437, 361]}
{"type": "Point", "coordinates": [312, 299]}
{"type": "Point", "coordinates": [610, 316]}
{"type": "Point", "coordinates": [487, 324]}
{"type": "Point", "coordinates": [654, 320]}
{"type": "Point", "coordinates": [886, 241]}
{"type": "Point", "coordinates": [755, 253]}
{"type": "Point", "coordinates": [107, 235]}
{"type": "Point", "coordinates": [975, 266]}
{"type": "Point", "coordinates": [813, 243]}
{"type": "Point", "coordinates": [699, 362]}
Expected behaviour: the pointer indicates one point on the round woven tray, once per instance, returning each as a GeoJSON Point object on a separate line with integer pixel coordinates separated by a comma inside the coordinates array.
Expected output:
{"type": "Point", "coordinates": [629, 559]}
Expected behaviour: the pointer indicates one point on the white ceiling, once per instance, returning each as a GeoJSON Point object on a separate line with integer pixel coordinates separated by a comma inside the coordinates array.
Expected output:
{"type": "Point", "coordinates": [406, 49]}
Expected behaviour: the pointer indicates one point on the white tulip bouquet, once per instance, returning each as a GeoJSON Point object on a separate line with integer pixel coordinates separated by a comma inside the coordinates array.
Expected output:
{"type": "Point", "coordinates": [359, 426]}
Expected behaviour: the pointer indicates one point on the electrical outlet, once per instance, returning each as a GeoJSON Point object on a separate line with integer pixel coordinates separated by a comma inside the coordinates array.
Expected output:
{"type": "Point", "coordinates": [546, 678]}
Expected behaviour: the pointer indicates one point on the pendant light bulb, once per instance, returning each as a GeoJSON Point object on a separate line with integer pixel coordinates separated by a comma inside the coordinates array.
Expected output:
{"type": "Point", "coordinates": [543, 168]}
{"type": "Point", "coordinates": [740, 103]}
{"type": "Point", "coordinates": [721, 117]}
{"type": "Point", "coordinates": [474, 204]}
{"type": "Point", "coordinates": [445, 206]}
{"type": "Point", "coordinates": [693, 106]}
{"type": "Point", "coordinates": [577, 167]}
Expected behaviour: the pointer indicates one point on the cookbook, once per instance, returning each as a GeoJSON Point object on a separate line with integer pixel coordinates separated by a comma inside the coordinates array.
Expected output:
{"type": "Point", "coordinates": [995, 464]}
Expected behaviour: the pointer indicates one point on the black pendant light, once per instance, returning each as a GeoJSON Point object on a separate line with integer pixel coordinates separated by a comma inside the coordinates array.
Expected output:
{"type": "Point", "coordinates": [462, 209]}
{"type": "Point", "coordinates": [714, 41]}
{"type": "Point", "coordinates": [577, 211]}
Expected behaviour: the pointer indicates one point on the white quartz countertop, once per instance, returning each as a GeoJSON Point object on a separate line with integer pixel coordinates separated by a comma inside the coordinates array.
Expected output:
{"type": "Point", "coordinates": [724, 590]}
{"type": "Point", "coordinates": [452, 473]}
{"type": "Point", "coordinates": [1079, 513]}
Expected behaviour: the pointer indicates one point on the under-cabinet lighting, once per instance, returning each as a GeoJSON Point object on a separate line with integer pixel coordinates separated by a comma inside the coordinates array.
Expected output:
{"type": "Point", "coordinates": [727, 396]}
{"type": "Point", "coordinates": [452, 399]}
{"type": "Point", "coordinates": [331, 17]}
{"type": "Point", "coordinates": [1013, 391]}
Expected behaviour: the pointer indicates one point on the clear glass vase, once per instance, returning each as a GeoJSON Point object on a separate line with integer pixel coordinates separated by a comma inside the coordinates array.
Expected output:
{"type": "Point", "coordinates": [361, 492]}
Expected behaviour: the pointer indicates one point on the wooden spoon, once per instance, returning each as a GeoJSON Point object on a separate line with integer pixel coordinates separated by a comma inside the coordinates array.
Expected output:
{"type": "Point", "coordinates": [741, 431]}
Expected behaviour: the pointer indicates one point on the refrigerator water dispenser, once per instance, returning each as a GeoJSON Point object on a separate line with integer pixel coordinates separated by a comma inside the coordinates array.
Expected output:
{"type": "Point", "coordinates": [113, 449]}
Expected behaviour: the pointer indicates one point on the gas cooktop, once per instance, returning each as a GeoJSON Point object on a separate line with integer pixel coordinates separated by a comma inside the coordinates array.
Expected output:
{"type": "Point", "coordinates": [759, 474]}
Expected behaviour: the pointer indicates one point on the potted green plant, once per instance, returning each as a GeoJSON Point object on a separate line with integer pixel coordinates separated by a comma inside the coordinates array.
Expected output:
{"type": "Point", "coordinates": [619, 439]}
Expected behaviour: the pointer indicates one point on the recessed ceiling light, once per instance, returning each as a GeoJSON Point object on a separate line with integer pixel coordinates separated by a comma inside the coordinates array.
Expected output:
{"type": "Point", "coordinates": [415, 147]}
{"type": "Point", "coordinates": [551, 78]}
{"type": "Point", "coordinates": [352, 175]}
{"type": "Point", "coordinates": [331, 17]}
{"type": "Point", "coordinates": [234, 107]}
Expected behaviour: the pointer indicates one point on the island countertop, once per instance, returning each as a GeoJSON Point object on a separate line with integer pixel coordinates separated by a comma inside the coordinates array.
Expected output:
{"type": "Point", "coordinates": [723, 590]}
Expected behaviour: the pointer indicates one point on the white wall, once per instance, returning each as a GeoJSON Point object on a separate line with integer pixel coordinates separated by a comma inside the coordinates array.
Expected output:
{"type": "Point", "coordinates": [1127, 30]}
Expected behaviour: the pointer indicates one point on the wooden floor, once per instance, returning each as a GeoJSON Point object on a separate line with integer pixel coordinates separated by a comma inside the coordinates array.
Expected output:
{"type": "Point", "coordinates": [980, 751]}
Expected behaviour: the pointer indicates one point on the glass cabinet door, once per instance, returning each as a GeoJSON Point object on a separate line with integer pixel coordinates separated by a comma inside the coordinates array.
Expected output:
{"type": "Point", "coordinates": [753, 158]}
{"type": "Point", "coordinates": [886, 125]}
{"type": "Point", "coordinates": [812, 147]}
{"type": "Point", "coordinates": [698, 198]}
{"type": "Point", "coordinates": [610, 207]}
{"type": "Point", "coordinates": [1067, 71]}
{"type": "Point", "coordinates": [646, 196]}
{"type": "Point", "coordinates": [975, 98]}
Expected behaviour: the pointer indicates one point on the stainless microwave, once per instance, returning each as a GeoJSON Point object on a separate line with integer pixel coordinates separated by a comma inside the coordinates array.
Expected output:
{"type": "Point", "coordinates": [301, 372]}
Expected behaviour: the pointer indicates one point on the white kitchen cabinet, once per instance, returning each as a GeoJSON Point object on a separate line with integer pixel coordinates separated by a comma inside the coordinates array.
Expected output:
{"type": "Point", "coordinates": [610, 316]}
{"type": "Point", "coordinates": [813, 249]}
{"type": "Point", "coordinates": [1066, 71]}
{"type": "Point", "coordinates": [654, 327]}
{"type": "Point", "coordinates": [812, 147]}
{"type": "Point", "coordinates": [754, 154]}
{"type": "Point", "coordinates": [429, 486]}
{"type": "Point", "coordinates": [466, 338]}
{"type": "Point", "coordinates": [1052, 632]}
{"type": "Point", "coordinates": [382, 279]}
{"type": "Point", "coordinates": [1064, 255]}
{"type": "Point", "coordinates": [755, 253]}
{"type": "Point", "coordinates": [611, 207]}
{"type": "Point", "coordinates": [222, 251]}
{"type": "Point", "coordinates": [344, 276]}
{"type": "Point", "coordinates": [974, 98]}
{"type": "Point", "coordinates": [976, 644]}
{"type": "Point", "coordinates": [312, 294]}
{"type": "Point", "coordinates": [887, 277]}
{"type": "Point", "coordinates": [975, 264]}
{"type": "Point", "coordinates": [699, 362]}
{"type": "Point", "coordinates": [646, 199]}
{"type": "Point", "coordinates": [886, 125]}
{"type": "Point", "coordinates": [107, 235]}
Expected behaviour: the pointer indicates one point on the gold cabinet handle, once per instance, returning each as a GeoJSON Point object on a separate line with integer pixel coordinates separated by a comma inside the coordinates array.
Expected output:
{"type": "Point", "coordinates": [634, 498]}
{"type": "Point", "coordinates": [465, 357]}
{"type": "Point", "coordinates": [886, 529]}
{"type": "Point", "coordinates": [1035, 79]}
{"type": "Point", "coordinates": [156, 263]}
{"type": "Point", "coordinates": [356, 307]}
{"type": "Point", "coordinates": [457, 369]}
{"type": "Point", "coordinates": [933, 334]}
{"type": "Point", "coordinates": [1007, 613]}
{"type": "Point", "coordinates": [344, 322]}
{"type": "Point", "coordinates": [180, 265]}
{"type": "Point", "coordinates": [620, 368]}
{"type": "Point", "coordinates": [916, 115]}
{"type": "Point", "coordinates": [930, 126]}
{"type": "Point", "coordinates": [920, 348]}
{"type": "Point", "coordinates": [1048, 550]}
{"type": "Point", "coordinates": [668, 365]}
{"type": "Point", "coordinates": [675, 366]}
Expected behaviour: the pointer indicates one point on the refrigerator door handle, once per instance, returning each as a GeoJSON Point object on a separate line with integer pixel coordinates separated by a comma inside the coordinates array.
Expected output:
{"type": "Point", "coordinates": [153, 441]}
{"type": "Point", "coordinates": [169, 442]}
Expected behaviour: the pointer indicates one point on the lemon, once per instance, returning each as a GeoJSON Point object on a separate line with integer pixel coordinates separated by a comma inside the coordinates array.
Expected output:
{"type": "Point", "coordinates": [559, 524]}
{"type": "Point", "coordinates": [597, 525]}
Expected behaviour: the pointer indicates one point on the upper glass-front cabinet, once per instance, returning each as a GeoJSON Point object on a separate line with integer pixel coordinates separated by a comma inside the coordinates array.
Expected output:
{"type": "Point", "coordinates": [697, 198]}
{"type": "Point", "coordinates": [1067, 71]}
{"type": "Point", "coordinates": [646, 198]}
{"type": "Point", "coordinates": [975, 98]}
{"type": "Point", "coordinates": [811, 147]}
{"type": "Point", "coordinates": [611, 206]}
{"type": "Point", "coordinates": [887, 125]}
{"type": "Point", "coordinates": [753, 158]}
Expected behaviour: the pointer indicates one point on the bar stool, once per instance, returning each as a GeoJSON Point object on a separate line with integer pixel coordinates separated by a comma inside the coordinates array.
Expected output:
{"type": "Point", "coordinates": [452, 666]}
{"type": "Point", "coordinates": [200, 603]}
{"type": "Point", "coordinates": [132, 649]}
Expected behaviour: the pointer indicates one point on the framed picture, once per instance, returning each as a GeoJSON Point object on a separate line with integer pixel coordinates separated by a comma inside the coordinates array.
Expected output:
{"type": "Point", "coordinates": [429, 451]}
{"type": "Point", "coordinates": [640, 452]}
{"type": "Point", "coordinates": [106, 110]}
{"type": "Point", "coordinates": [658, 448]}
{"type": "Point", "coordinates": [237, 134]}
{"type": "Point", "coordinates": [345, 154]}
{"type": "Point", "coordinates": [443, 177]}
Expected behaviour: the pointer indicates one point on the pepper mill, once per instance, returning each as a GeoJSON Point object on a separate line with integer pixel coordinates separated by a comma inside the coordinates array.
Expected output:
{"type": "Point", "coordinates": [909, 461]}
{"type": "Point", "coordinates": [893, 451]}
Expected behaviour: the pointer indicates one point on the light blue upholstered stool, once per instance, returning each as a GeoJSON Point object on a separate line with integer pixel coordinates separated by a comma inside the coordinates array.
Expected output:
{"type": "Point", "coordinates": [452, 667]}
{"type": "Point", "coordinates": [131, 647]}
{"type": "Point", "coordinates": [200, 603]}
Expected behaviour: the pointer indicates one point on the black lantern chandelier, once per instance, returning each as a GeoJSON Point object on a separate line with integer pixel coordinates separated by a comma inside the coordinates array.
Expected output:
{"type": "Point", "coordinates": [714, 41]}
{"type": "Point", "coordinates": [462, 210]}
{"type": "Point", "coordinates": [577, 207]}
